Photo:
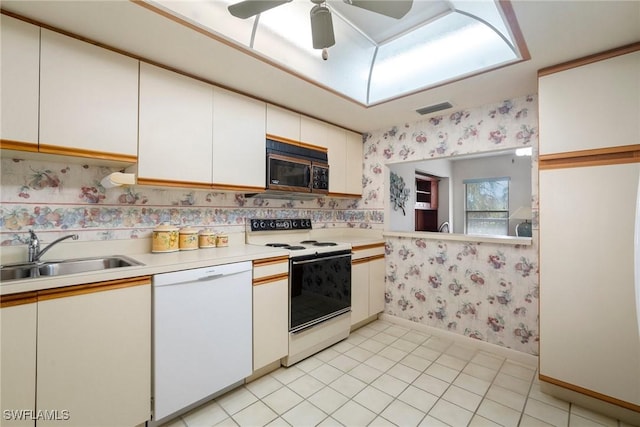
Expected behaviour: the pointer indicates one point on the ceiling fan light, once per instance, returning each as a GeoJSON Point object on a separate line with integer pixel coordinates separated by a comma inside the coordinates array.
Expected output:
{"type": "Point", "coordinates": [321, 27]}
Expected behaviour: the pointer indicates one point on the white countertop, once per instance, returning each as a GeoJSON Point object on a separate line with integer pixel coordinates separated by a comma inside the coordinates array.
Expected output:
{"type": "Point", "coordinates": [156, 263]}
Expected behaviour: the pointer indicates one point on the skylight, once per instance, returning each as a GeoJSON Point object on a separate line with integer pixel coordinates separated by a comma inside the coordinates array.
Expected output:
{"type": "Point", "coordinates": [376, 58]}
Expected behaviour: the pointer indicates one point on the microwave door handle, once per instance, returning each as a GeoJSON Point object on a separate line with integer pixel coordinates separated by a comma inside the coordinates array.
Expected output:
{"type": "Point", "coordinates": [308, 176]}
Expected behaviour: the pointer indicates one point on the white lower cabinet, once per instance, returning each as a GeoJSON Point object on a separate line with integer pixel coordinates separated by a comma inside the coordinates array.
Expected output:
{"type": "Point", "coordinates": [270, 311]}
{"type": "Point", "coordinates": [93, 358]}
{"type": "Point", "coordinates": [18, 359]}
{"type": "Point", "coordinates": [367, 282]}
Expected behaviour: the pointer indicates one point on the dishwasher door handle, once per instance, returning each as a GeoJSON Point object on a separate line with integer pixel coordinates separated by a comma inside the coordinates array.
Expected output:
{"type": "Point", "coordinates": [211, 277]}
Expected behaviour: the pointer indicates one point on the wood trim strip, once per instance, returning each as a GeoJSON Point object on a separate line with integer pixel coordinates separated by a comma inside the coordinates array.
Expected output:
{"type": "Point", "coordinates": [77, 152]}
{"type": "Point", "coordinates": [21, 298]}
{"type": "Point", "coordinates": [367, 259]}
{"type": "Point", "coordinates": [345, 195]}
{"type": "Point", "coordinates": [270, 261]}
{"type": "Point", "coordinates": [513, 25]}
{"type": "Point", "coordinates": [169, 183]}
{"type": "Point", "coordinates": [270, 279]}
{"type": "Point", "coordinates": [369, 246]}
{"type": "Point", "coordinates": [591, 393]}
{"type": "Point", "coordinates": [297, 143]}
{"type": "Point", "coordinates": [69, 291]}
{"type": "Point", "coordinates": [612, 53]}
{"type": "Point", "coordinates": [237, 188]}
{"type": "Point", "coordinates": [7, 144]}
{"type": "Point", "coordinates": [595, 157]}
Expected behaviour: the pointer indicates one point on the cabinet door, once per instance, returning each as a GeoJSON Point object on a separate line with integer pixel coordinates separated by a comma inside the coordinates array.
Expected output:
{"type": "Point", "coordinates": [589, 319]}
{"type": "Point", "coordinates": [176, 128]}
{"type": "Point", "coordinates": [313, 131]}
{"type": "Point", "coordinates": [283, 123]}
{"type": "Point", "coordinates": [574, 104]}
{"type": "Point", "coordinates": [20, 72]}
{"type": "Point", "coordinates": [354, 158]}
{"type": "Point", "coordinates": [94, 356]}
{"type": "Point", "coordinates": [238, 141]}
{"type": "Point", "coordinates": [88, 97]}
{"type": "Point", "coordinates": [359, 290]}
{"type": "Point", "coordinates": [270, 322]}
{"type": "Point", "coordinates": [376, 285]}
{"type": "Point", "coordinates": [336, 144]}
{"type": "Point", "coordinates": [18, 356]}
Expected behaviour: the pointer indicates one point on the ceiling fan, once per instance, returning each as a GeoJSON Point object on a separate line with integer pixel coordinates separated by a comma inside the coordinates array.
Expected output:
{"type": "Point", "coordinates": [321, 23]}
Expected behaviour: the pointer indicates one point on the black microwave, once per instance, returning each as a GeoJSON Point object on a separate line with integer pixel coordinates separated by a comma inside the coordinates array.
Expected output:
{"type": "Point", "coordinates": [298, 169]}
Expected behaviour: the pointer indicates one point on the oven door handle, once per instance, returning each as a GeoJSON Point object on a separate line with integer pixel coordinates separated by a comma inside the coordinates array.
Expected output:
{"type": "Point", "coordinates": [307, 261]}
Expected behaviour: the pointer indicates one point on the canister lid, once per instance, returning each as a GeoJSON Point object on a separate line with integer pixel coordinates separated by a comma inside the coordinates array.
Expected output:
{"type": "Point", "coordinates": [188, 230]}
{"type": "Point", "coordinates": [207, 232]}
{"type": "Point", "coordinates": [165, 227]}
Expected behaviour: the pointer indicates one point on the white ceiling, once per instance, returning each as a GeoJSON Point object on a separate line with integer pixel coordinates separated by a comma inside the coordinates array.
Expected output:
{"type": "Point", "coordinates": [554, 31]}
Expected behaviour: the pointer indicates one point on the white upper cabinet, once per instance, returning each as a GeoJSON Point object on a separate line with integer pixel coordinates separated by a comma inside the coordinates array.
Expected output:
{"type": "Point", "coordinates": [283, 123]}
{"type": "Point", "coordinates": [88, 97]}
{"type": "Point", "coordinates": [344, 150]}
{"type": "Point", "coordinates": [336, 143]}
{"type": "Point", "coordinates": [354, 158]}
{"type": "Point", "coordinates": [314, 132]}
{"type": "Point", "coordinates": [176, 128]}
{"type": "Point", "coordinates": [574, 104]}
{"type": "Point", "coordinates": [20, 66]}
{"type": "Point", "coordinates": [238, 141]}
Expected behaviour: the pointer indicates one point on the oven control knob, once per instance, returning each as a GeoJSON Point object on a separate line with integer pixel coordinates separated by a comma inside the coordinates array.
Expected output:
{"type": "Point", "coordinates": [263, 225]}
{"type": "Point", "coordinates": [255, 225]}
{"type": "Point", "coordinates": [285, 224]}
{"type": "Point", "coordinates": [294, 223]}
{"type": "Point", "coordinates": [272, 225]}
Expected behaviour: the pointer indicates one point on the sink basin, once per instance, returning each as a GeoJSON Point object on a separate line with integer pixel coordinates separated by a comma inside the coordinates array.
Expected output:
{"type": "Point", "coordinates": [58, 268]}
{"type": "Point", "coordinates": [18, 271]}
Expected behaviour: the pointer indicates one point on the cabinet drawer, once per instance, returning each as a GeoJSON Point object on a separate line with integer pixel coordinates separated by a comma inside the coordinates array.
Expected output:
{"type": "Point", "coordinates": [263, 269]}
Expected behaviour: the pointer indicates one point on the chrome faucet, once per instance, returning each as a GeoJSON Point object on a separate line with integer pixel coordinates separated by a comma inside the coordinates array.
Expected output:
{"type": "Point", "coordinates": [34, 245]}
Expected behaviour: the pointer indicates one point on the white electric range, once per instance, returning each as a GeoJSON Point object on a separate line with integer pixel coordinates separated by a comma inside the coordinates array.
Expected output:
{"type": "Point", "coordinates": [319, 284]}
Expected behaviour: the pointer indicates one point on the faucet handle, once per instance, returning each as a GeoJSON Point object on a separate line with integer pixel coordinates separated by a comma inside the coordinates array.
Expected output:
{"type": "Point", "coordinates": [33, 238]}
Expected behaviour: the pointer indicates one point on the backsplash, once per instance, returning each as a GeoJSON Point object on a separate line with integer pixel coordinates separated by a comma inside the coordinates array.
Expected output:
{"type": "Point", "coordinates": [57, 198]}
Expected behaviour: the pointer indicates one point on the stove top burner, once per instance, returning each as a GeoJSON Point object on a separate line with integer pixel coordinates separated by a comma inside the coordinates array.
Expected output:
{"type": "Point", "coordinates": [277, 245]}
{"type": "Point", "coordinates": [325, 244]}
{"type": "Point", "coordinates": [308, 242]}
{"type": "Point", "coordinates": [295, 248]}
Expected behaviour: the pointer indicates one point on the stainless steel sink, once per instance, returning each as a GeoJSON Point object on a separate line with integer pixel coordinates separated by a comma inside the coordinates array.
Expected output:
{"type": "Point", "coordinates": [18, 271]}
{"type": "Point", "coordinates": [59, 268]}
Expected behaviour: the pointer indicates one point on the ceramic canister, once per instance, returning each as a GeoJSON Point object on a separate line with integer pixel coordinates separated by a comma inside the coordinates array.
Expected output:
{"type": "Point", "coordinates": [222, 240]}
{"type": "Point", "coordinates": [188, 239]}
{"type": "Point", "coordinates": [164, 239]}
{"type": "Point", "coordinates": [207, 239]}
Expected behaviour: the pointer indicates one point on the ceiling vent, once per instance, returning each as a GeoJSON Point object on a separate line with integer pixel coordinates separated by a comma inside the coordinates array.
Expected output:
{"type": "Point", "coordinates": [433, 108]}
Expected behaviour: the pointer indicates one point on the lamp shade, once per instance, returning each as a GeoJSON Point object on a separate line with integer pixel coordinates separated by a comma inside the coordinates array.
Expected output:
{"type": "Point", "coordinates": [522, 213]}
{"type": "Point", "coordinates": [322, 27]}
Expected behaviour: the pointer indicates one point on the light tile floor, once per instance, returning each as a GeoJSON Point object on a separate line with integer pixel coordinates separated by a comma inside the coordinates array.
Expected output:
{"type": "Point", "coordinates": [386, 375]}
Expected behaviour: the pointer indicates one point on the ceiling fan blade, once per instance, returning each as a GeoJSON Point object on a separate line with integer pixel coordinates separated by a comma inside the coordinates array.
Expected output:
{"type": "Point", "coordinates": [392, 8]}
{"type": "Point", "coordinates": [321, 27]}
{"type": "Point", "coordinates": [249, 8]}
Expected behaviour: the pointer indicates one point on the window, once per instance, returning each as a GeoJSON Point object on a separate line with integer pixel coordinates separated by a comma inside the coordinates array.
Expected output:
{"type": "Point", "coordinates": [487, 206]}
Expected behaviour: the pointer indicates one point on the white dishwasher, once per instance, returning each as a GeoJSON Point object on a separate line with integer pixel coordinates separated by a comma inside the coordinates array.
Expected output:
{"type": "Point", "coordinates": [202, 342]}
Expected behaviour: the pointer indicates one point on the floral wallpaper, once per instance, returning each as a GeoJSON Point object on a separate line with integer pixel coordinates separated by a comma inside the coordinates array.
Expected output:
{"type": "Point", "coordinates": [58, 198]}
{"type": "Point", "coordinates": [485, 291]}
{"type": "Point", "coordinates": [482, 290]}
